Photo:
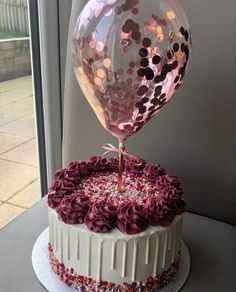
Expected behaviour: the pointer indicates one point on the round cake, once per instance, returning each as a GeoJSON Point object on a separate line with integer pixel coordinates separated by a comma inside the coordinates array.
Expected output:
{"type": "Point", "coordinates": [104, 240]}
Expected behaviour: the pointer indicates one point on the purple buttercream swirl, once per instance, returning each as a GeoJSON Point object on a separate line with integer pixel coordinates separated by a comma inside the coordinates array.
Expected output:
{"type": "Point", "coordinates": [159, 211]}
{"type": "Point", "coordinates": [131, 218]}
{"type": "Point", "coordinates": [97, 163]}
{"type": "Point", "coordinates": [175, 197]}
{"type": "Point", "coordinates": [151, 172]}
{"type": "Point", "coordinates": [101, 217]}
{"type": "Point", "coordinates": [80, 166]}
{"type": "Point", "coordinates": [58, 191]}
{"type": "Point", "coordinates": [59, 174]}
{"type": "Point", "coordinates": [164, 180]}
{"type": "Point", "coordinates": [65, 180]}
{"type": "Point", "coordinates": [134, 166]}
{"type": "Point", "coordinates": [54, 199]}
{"type": "Point", "coordinates": [73, 209]}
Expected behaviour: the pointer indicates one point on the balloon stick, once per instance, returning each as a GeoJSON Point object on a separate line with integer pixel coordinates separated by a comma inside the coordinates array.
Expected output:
{"type": "Point", "coordinates": [121, 164]}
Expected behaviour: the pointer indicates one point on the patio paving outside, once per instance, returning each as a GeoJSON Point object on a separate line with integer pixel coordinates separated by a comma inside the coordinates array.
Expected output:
{"type": "Point", "coordinates": [19, 183]}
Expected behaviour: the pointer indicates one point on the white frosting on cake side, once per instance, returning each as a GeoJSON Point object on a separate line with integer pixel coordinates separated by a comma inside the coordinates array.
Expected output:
{"type": "Point", "coordinates": [115, 257]}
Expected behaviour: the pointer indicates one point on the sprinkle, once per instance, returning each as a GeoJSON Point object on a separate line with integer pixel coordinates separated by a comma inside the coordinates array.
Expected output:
{"type": "Point", "coordinates": [103, 185]}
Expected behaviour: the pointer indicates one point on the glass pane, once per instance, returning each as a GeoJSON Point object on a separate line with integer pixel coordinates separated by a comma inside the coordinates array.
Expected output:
{"type": "Point", "coordinates": [19, 173]}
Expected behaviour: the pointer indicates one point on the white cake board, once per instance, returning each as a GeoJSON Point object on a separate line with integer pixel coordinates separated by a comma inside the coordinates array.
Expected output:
{"type": "Point", "coordinates": [51, 282]}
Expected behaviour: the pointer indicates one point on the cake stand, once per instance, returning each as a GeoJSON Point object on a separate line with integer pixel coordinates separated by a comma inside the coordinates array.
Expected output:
{"type": "Point", "coordinates": [51, 282]}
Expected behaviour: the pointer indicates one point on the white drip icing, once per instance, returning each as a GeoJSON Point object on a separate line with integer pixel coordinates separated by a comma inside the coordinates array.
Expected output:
{"type": "Point", "coordinates": [156, 257]}
{"type": "Point", "coordinates": [123, 272]}
{"type": "Point", "coordinates": [134, 260]}
{"type": "Point", "coordinates": [178, 229]}
{"type": "Point", "coordinates": [100, 244]}
{"type": "Point", "coordinates": [62, 247]}
{"type": "Point", "coordinates": [113, 255]}
{"type": "Point", "coordinates": [52, 230]}
{"type": "Point", "coordinates": [56, 236]}
{"type": "Point", "coordinates": [147, 250]}
{"type": "Point", "coordinates": [173, 248]}
{"type": "Point", "coordinates": [77, 247]}
{"type": "Point", "coordinates": [169, 241]}
{"type": "Point", "coordinates": [68, 246]}
{"type": "Point", "coordinates": [165, 249]}
{"type": "Point", "coordinates": [179, 234]}
{"type": "Point", "coordinates": [89, 254]}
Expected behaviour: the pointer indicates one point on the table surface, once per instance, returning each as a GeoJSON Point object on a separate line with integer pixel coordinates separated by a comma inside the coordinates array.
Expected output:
{"type": "Point", "coordinates": [18, 237]}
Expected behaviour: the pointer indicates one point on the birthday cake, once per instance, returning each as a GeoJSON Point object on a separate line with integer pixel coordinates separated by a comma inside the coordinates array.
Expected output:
{"type": "Point", "coordinates": [115, 223]}
{"type": "Point", "coordinates": [102, 240]}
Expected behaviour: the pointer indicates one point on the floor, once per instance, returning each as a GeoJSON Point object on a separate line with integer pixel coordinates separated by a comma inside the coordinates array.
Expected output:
{"type": "Point", "coordinates": [19, 183]}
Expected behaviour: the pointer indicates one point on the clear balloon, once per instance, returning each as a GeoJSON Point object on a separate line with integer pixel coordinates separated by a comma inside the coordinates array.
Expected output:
{"type": "Point", "coordinates": [130, 56]}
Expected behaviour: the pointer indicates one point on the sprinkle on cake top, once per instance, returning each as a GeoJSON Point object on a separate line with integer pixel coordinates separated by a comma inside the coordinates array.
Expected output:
{"type": "Point", "coordinates": [103, 186]}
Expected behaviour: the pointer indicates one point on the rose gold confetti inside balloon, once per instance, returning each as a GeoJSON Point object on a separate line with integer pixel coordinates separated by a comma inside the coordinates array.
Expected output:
{"type": "Point", "coordinates": [130, 57]}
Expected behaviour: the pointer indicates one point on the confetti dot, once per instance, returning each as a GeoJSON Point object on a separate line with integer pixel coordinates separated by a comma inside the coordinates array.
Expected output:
{"type": "Point", "coordinates": [146, 42]}
{"type": "Point", "coordinates": [174, 65]}
{"type": "Point", "coordinates": [176, 79]}
{"type": "Point", "coordinates": [142, 90]}
{"type": "Point", "coordinates": [142, 109]}
{"type": "Point", "coordinates": [107, 63]}
{"type": "Point", "coordinates": [129, 71]}
{"type": "Point", "coordinates": [141, 72]}
{"type": "Point", "coordinates": [176, 47]}
{"type": "Point", "coordinates": [156, 60]}
{"type": "Point", "coordinates": [143, 52]}
{"type": "Point", "coordinates": [144, 62]}
{"type": "Point", "coordinates": [186, 50]}
{"type": "Point", "coordinates": [160, 34]}
{"type": "Point", "coordinates": [163, 95]}
{"type": "Point", "coordinates": [144, 100]}
{"type": "Point", "coordinates": [182, 30]}
{"type": "Point", "coordinates": [101, 73]}
{"type": "Point", "coordinates": [97, 81]}
{"type": "Point", "coordinates": [120, 71]}
{"type": "Point", "coordinates": [177, 86]}
{"type": "Point", "coordinates": [136, 35]}
{"type": "Point", "coordinates": [154, 101]}
{"type": "Point", "coordinates": [127, 27]}
{"type": "Point", "coordinates": [170, 14]}
{"type": "Point", "coordinates": [169, 55]}
{"type": "Point", "coordinates": [149, 74]}
{"type": "Point", "coordinates": [186, 35]}
{"type": "Point", "coordinates": [100, 46]}
{"type": "Point", "coordinates": [135, 11]}
{"type": "Point", "coordinates": [182, 47]}
{"type": "Point", "coordinates": [158, 79]}
{"type": "Point", "coordinates": [132, 64]}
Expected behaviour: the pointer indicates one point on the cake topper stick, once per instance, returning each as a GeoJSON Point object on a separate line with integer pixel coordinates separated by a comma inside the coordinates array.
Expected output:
{"type": "Point", "coordinates": [121, 164]}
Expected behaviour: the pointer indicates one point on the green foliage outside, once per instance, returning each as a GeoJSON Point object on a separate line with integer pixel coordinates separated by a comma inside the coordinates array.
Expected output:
{"type": "Point", "coordinates": [4, 34]}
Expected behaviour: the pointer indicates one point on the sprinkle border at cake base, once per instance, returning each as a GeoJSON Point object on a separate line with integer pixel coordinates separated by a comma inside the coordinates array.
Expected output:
{"type": "Point", "coordinates": [85, 284]}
